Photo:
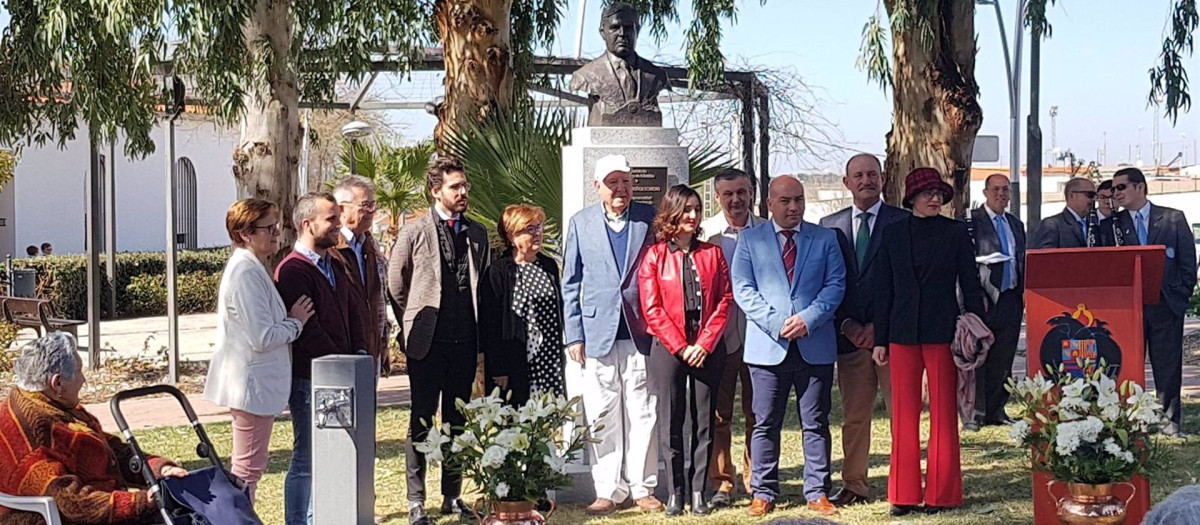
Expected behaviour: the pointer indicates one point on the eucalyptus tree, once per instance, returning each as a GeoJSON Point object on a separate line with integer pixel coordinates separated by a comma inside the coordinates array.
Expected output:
{"type": "Point", "coordinates": [100, 63]}
{"type": "Point", "coordinates": [931, 72]}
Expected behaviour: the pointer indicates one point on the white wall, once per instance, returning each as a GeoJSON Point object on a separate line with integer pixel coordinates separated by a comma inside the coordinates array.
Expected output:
{"type": "Point", "coordinates": [50, 190]}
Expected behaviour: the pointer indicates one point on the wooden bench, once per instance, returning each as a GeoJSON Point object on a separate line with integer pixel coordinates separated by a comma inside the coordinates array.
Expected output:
{"type": "Point", "coordinates": [37, 314]}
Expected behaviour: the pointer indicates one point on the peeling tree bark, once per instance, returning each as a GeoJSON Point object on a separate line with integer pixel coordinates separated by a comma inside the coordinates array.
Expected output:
{"type": "Point", "coordinates": [475, 38]}
{"type": "Point", "coordinates": [936, 112]}
{"type": "Point", "coordinates": [267, 158]}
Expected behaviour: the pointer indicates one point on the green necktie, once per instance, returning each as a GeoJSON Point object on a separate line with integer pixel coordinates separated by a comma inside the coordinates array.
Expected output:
{"type": "Point", "coordinates": [863, 239]}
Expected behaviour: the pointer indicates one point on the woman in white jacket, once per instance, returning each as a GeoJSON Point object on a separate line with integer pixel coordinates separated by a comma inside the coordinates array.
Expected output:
{"type": "Point", "coordinates": [251, 370]}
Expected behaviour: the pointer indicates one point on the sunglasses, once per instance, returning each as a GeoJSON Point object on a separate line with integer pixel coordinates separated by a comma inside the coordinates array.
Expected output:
{"type": "Point", "coordinates": [1123, 186]}
{"type": "Point", "coordinates": [1090, 194]}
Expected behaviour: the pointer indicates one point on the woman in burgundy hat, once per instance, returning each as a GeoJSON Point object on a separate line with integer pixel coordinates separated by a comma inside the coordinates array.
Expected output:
{"type": "Point", "coordinates": [922, 262]}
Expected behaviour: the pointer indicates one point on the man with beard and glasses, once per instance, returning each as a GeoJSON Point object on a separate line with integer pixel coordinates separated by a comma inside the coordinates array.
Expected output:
{"type": "Point", "coordinates": [860, 380]}
{"type": "Point", "coordinates": [336, 328]}
{"type": "Point", "coordinates": [433, 278]}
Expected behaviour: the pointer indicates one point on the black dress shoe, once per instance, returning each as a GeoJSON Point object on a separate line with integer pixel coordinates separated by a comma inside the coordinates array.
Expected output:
{"type": "Point", "coordinates": [455, 507]}
{"type": "Point", "coordinates": [845, 498]}
{"type": "Point", "coordinates": [720, 500]}
{"type": "Point", "coordinates": [1003, 422]}
{"type": "Point", "coordinates": [675, 505]}
{"type": "Point", "coordinates": [902, 510]}
{"type": "Point", "coordinates": [418, 516]}
{"type": "Point", "coordinates": [930, 509]}
{"type": "Point", "coordinates": [699, 507]}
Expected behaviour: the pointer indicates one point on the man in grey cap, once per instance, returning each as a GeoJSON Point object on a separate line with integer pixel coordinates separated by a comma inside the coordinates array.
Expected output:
{"type": "Point", "coordinates": [606, 333]}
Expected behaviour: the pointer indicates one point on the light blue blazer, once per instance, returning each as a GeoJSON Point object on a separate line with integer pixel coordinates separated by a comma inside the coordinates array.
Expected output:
{"type": "Point", "coordinates": [762, 291]}
{"type": "Point", "coordinates": [594, 291]}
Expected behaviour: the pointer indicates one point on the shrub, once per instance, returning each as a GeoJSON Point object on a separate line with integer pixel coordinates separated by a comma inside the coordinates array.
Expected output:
{"type": "Point", "coordinates": [63, 278]}
{"type": "Point", "coordinates": [147, 293]}
{"type": "Point", "coordinates": [8, 334]}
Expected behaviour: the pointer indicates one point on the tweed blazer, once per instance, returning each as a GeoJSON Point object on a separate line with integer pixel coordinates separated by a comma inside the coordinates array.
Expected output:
{"type": "Point", "coordinates": [415, 278]}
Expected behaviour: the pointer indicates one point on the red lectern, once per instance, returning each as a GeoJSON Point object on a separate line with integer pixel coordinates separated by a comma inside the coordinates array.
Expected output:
{"type": "Point", "coordinates": [1087, 302]}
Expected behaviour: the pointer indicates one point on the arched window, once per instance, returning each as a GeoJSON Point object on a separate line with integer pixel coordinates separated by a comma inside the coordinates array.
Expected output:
{"type": "Point", "coordinates": [185, 204]}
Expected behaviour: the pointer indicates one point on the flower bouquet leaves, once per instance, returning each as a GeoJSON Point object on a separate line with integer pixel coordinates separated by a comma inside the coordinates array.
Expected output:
{"type": "Point", "coordinates": [1086, 429]}
{"type": "Point", "coordinates": [511, 454]}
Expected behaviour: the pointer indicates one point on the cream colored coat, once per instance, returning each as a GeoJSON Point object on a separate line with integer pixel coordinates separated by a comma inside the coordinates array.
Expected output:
{"type": "Point", "coordinates": [251, 369]}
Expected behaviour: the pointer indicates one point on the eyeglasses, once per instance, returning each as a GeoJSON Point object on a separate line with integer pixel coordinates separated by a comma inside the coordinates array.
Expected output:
{"type": "Point", "coordinates": [535, 229]}
{"type": "Point", "coordinates": [366, 205]}
{"type": "Point", "coordinates": [461, 188]}
{"type": "Point", "coordinates": [269, 227]}
{"type": "Point", "coordinates": [1090, 194]}
{"type": "Point", "coordinates": [930, 194]}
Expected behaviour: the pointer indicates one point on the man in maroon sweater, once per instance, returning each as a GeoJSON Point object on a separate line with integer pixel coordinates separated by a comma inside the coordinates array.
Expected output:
{"type": "Point", "coordinates": [311, 271]}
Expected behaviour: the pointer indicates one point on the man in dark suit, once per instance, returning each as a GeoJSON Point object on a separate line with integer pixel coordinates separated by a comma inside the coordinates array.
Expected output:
{"type": "Point", "coordinates": [860, 230]}
{"type": "Point", "coordinates": [1069, 229]}
{"type": "Point", "coordinates": [360, 254]}
{"type": "Point", "coordinates": [311, 271]}
{"type": "Point", "coordinates": [433, 276]}
{"type": "Point", "coordinates": [997, 231]}
{"type": "Point", "coordinates": [1143, 223]}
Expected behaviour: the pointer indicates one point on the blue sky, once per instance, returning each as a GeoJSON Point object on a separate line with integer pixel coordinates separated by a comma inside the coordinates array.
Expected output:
{"type": "Point", "coordinates": [1094, 68]}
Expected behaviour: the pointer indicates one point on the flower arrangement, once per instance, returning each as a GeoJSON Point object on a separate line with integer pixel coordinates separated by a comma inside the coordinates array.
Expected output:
{"type": "Point", "coordinates": [512, 454]}
{"type": "Point", "coordinates": [1085, 429]}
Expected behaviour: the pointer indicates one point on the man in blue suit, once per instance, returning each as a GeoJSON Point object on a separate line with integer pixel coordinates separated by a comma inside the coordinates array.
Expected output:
{"type": "Point", "coordinates": [605, 332]}
{"type": "Point", "coordinates": [789, 277]}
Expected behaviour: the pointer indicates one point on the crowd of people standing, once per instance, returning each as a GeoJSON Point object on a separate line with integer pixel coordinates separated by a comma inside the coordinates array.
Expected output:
{"type": "Point", "coordinates": [670, 318]}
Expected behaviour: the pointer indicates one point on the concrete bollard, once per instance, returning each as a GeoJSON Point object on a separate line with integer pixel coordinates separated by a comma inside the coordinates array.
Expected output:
{"type": "Point", "coordinates": [343, 440]}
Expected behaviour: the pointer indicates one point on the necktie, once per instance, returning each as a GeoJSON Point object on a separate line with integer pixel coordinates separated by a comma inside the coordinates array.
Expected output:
{"type": "Point", "coordinates": [1002, 233]}
{"type": "Point", "coordinates": [863, 239]}
{"type": "Point", "coordinates": [626, 79]}
{"type": "Point", "coordinates": [789, 254]}
{"type": "Point", "coordinates": [452, 222]}
{"type": "Point", "coordinates": [1083, 228]}
{"type": "Point", "coordinates": [1143, 234]}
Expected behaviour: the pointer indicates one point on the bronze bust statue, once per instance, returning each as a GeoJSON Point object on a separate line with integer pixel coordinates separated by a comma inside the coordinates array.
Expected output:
{"type": "Point", "coordinates": [622, 87]}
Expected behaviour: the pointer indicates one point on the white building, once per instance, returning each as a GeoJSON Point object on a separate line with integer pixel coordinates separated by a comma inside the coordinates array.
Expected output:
{"type": "Point", "coordinates": [46, 201]}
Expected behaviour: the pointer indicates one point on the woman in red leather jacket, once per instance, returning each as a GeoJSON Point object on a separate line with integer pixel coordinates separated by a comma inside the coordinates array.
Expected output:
{"type": "Point", "coordinates": [685, 292]}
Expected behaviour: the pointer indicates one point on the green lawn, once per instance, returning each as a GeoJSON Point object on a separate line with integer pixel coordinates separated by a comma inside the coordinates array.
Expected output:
{"type": "Point", "coordinates": [997, 480]}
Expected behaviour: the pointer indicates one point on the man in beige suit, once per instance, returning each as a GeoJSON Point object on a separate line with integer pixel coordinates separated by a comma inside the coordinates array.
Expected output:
{"type": "Point", "coordinates": [432, 279]}
{"type": "Point", "coordinates": [735, 193]}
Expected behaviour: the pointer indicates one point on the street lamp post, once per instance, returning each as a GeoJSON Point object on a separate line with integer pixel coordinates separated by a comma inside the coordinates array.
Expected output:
{"type": "Point", "coordinates": [1014, 95]}
{"type": "Point", "coordinates": [353, 131]}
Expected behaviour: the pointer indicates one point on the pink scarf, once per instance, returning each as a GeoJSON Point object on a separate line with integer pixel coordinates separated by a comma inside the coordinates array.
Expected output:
{"type": "Point", "coordinates": [972, 339]}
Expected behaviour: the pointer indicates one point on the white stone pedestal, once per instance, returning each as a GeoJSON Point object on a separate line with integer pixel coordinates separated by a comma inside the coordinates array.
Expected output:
{"type": "Point", "coordinates": [658, 162]}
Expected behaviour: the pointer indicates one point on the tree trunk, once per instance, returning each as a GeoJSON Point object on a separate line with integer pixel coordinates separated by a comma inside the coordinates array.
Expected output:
{"type": "Point", "coordinates": [475, 43]}
{"type": "Point", "coordinates": [936, 111]}
{"type": "Point", "coordinates": [267, 159]}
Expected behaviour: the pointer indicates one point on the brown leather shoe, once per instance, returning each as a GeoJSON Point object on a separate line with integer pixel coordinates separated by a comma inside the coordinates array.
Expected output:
{"type": "Point", "coordinates": [602, 507]}
{"type": "Point", "coordinates": [823, 507]}
{"type": "Point", "coordinates": [760, 507]}
{"type": "Point", "coordinates": [649, 504]}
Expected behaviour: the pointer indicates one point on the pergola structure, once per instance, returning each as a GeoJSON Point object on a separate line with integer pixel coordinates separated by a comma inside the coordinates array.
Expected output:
{"type": "Point", "coordinates": [743, 86]}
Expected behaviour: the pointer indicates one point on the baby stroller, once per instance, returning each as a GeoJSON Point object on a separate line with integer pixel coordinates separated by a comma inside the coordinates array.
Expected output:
{"type": "Point", "coordinates": [207, 496]}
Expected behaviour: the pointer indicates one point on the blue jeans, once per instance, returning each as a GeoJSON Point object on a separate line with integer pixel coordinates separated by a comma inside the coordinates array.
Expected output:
{"type": "Point", "coordinates": [297, 486]}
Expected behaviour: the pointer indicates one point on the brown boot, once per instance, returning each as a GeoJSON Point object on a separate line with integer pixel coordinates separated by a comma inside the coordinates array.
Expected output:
{"type": "Point", "coordinates": [649, 504]}
{"type": "Point", "coordinates": [602, 507]}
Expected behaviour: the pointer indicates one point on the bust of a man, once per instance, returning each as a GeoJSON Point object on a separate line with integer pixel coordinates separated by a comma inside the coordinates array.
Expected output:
{"type": "Point", "coordinates": [622, 87]}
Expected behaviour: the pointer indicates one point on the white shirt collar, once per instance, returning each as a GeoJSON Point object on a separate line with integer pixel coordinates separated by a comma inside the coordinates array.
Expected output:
{"type": "Point", "coordinates": [352, 239]}
{"type": "Point", "coordinates": [1144, 211]}
{"type": "Point", "coordinates": [443, 215]}
{"type": "Point", "coordinates": [991, 214]}
{"type": "Point", "coordinates": [873, 210]}
{"type": "Point", "coordinates": [779, 228]}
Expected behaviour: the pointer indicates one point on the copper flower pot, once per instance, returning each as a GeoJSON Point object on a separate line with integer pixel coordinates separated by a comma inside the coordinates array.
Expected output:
{"type": "Point", "coordinates": [1091, 504]}
{"type": "Point", "coordinates": [513, 513]}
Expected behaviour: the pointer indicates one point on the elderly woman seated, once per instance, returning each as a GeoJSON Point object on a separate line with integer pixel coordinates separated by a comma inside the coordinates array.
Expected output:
{"type": "Point", "coordinates": [51, 446]}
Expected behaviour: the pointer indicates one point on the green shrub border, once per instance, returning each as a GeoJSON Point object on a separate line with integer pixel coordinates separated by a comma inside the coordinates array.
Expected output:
{"type": "Point", "coordinates": [63, 279]}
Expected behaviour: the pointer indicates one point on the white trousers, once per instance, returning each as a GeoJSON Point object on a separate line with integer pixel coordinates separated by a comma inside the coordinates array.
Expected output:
{"type": "Point", "coordinates": [617, 396]}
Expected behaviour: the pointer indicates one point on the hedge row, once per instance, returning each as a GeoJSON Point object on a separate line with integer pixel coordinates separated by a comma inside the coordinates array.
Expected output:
{"type": "Point", "coordinates": [63, 280]}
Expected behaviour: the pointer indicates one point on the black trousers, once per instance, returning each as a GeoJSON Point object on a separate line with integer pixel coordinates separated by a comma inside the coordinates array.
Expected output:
{"type": "Point", "coordinates": [1164, 342]}
{"type": "Point", "coordinates": [687, 402]}
{"type": "Point", "coordinates": [1004, 320]}
{"type": "Point", "coordinates": [517, 393]}
{"type": "Point", "coordinates": [437, 380]}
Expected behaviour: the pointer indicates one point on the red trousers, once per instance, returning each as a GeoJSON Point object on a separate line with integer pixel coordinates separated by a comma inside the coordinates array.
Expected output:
{"type": "Point", "coordinates": [943, 481]}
